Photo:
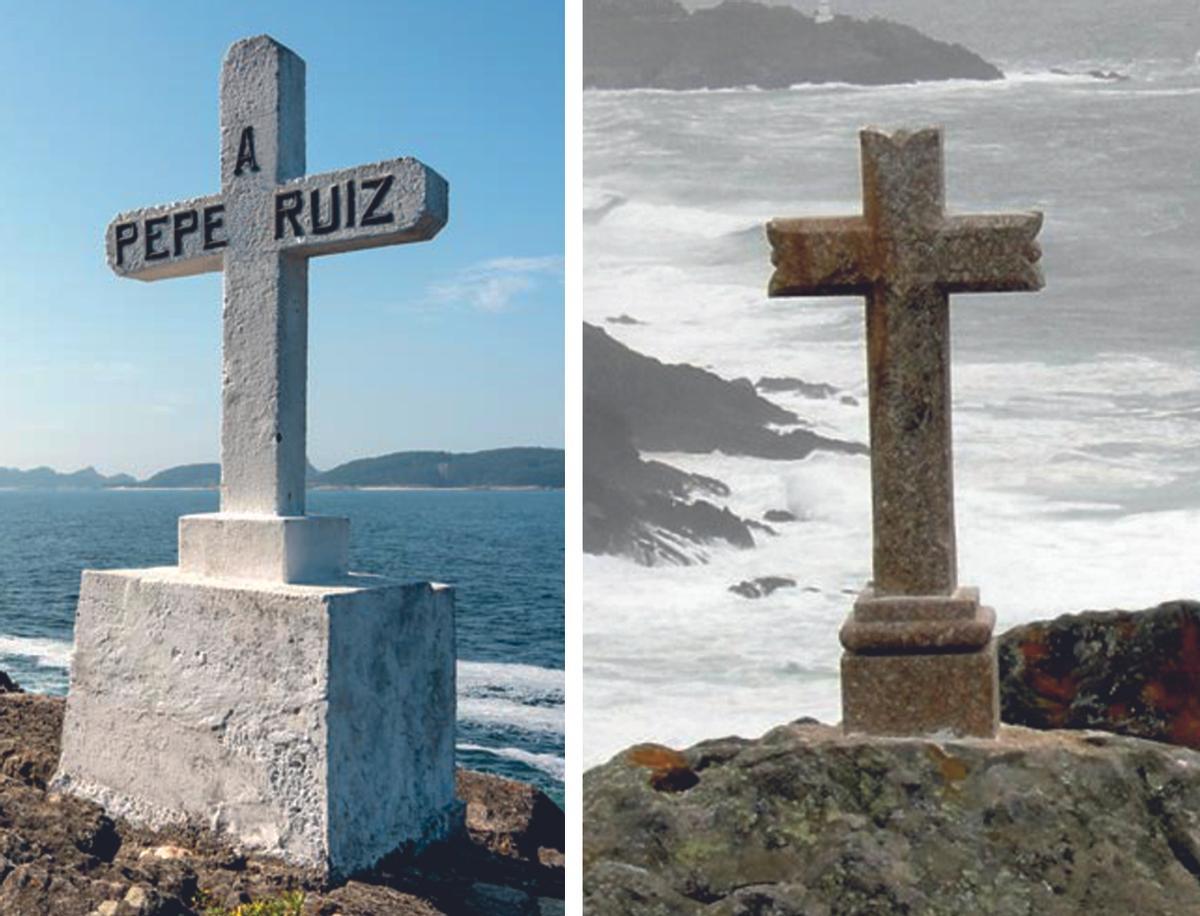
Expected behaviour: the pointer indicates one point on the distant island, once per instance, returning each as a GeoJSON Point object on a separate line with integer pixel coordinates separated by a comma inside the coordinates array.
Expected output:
{"type": "Point", "coordinates": [523, 468]}
{"type": "Point", "coordinates": [658, 44]}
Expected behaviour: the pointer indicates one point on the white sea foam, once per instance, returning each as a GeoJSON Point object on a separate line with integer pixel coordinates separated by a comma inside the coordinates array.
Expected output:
{"type": "Point", "coordinates": [528, 682]}
{"type": "Point", "coordinates": [548, 763]}
{"type": "Point", "coordinates": [48, 653]}
{"type": "Point", "coordinates": [495, 711]}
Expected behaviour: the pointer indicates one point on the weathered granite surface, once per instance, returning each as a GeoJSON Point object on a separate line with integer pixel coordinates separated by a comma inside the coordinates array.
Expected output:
{"type": "Point", "coordinates": [906, 256]}
{"type": "Point", "coordinates": [1132, 672]}
{"type": "Point", "coordinates": [807, 822]}
{"type": "Point", "coordinates": [62, 856]}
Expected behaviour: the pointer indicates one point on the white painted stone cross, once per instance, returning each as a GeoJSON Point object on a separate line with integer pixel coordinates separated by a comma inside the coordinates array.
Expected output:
{"type": "Point", "coordinates": [260, 688]}
{"type": "Point", "coordinates": [268, 220]}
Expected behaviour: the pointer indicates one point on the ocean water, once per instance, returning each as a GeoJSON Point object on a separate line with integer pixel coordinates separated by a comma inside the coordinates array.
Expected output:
{"type": "Point", "coordinates": [1077, 409]}
{"type": "Point", "coordinates": [503, 551]}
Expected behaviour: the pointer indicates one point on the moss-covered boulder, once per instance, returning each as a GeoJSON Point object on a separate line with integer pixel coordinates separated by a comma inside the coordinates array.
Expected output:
{"type": "Point", "coordinates": [807, 821]}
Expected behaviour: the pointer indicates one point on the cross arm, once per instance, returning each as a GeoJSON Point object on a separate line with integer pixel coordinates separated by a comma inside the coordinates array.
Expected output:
{"type": "Point", "coordinates": [991, 253]}
{"type": "Point", "coordinates": [820, 256]}
{"type": "Point", "coordinates": [173, 240]}
{"type": "Point", "coordinates": [384, 203]}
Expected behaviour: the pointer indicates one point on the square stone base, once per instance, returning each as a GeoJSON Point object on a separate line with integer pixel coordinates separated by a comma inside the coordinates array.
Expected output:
{"type": "Point", "coordinates": [908, 695]}
{"type": "Point", "coordinates": [316, 723]}
{"type": "Point", "coordinates": [299, 548]}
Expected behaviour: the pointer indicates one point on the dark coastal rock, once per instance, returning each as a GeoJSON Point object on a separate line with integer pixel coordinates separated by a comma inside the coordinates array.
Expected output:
{"type": "Point", "coordinates": [1131, 672]}
{"type": "Point", "coordinates": [60, 856]}
{"type": "Point", "coordinates": [510, 818]}
{"type": "Point", "coordinates": [658, 44]}
{"type": "Point", "coordinates": [806, 821]}
{"type": "Point", "coordinates": [8, 685]}
{"type": "Point", "coordinates": [779, 515]}
{"type": "Point", "coordinates": [762, 586]}
{"type": "Point", "coordinates": [1109, 76]}
{"type": "Point", "coordinates": [623, 319]}
{"type": "Point", "coordinates": [649, 510]}
{"type": "Point", "coordinates": [814, 390]}
{"type": "Point", "coordinates": [681, 408]}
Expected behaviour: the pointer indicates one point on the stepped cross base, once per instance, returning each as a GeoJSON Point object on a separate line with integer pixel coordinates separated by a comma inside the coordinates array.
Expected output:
{"type": "Point", "coordinates": [270, 548]}
{"type": "Point", "coordinates": [920, 666]}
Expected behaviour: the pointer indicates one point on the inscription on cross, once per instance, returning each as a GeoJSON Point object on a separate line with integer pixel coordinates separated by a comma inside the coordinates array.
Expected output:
{"type": "Point", "coordinates": [906, 255]}
{"type": "Point", "coordinates": [268, 220]}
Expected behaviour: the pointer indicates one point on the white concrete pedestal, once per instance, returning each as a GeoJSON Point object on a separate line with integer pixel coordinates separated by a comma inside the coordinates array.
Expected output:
{"type": "Point", "coordinates": [314, 722]}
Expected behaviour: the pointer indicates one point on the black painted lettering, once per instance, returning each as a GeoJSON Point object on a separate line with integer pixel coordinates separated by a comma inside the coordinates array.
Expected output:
{"type": "Point", "coordinates": [183, 224]}
{"type": "Point", "coordinates": [214, 220]}
{"type": "Point", "coordinates": [245, 157]}
{"type": "Point", "coordinates": [335, 211]}
{"type": "Point", "coordinates": [380, 186]}
{"type": "Point", "coordinates": [154, 236]}
{"type": "Point", "coordinates": [351, 203]}
{"type": "Point", "coordinates": [126, 234]}
{"type": "Point", "coordinates": [288, 206]}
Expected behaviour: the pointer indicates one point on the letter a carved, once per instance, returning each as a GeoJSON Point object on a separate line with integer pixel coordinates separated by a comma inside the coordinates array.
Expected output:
{"type": "Point", "coordinates": [246, 156]}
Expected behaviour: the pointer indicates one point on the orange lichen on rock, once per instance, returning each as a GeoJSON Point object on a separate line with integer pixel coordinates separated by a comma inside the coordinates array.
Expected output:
{"type": "Point", "coordinates": [952, 768]}
{"type": "Point", "coordinates": [669, 769]}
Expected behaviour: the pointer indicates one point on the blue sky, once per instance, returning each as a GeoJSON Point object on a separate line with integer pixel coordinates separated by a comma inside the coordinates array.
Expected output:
{"type": "Point", "coordinates": [456, 343]}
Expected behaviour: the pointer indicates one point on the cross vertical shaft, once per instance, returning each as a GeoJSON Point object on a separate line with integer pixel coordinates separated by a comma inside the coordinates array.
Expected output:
{"type": "Point", "coordinates": [908, 356]}
{"type": "Point", "coordinates": [265, 345]}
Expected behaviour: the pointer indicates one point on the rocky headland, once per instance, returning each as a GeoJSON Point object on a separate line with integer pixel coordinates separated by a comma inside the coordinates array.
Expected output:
{"type": "Point", "coordinates": [658, 44]}
{"type": "Point", "coordinates": [649, 510]}
{"type": "Point", "coordinates": [60, 856]}
{"type": "Point", "coordinates": [1073, 815]}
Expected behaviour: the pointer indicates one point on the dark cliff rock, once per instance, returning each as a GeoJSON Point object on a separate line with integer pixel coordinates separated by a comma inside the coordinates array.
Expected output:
{"type": "Point", "coordinates": [649, 510]}
{"type": "Point", "coordinates": [1134, 673]}
{"type": "Point", "coordinates": [804, 821]}
{"type": "Point", "coordinates": [681, 408]}
{"type": "Point", "coordinates": [60, 856]}
{"type": "Point", "coordinates": [646, 510]}
{"type": "Point", "coordinates": [644, 44]}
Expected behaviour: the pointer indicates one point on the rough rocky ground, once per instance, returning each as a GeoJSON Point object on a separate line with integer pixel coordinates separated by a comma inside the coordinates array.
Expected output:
{"type": "Point", "coordinates": [60, 856]}
{"type": "Point", "coordinates": [807, 821]}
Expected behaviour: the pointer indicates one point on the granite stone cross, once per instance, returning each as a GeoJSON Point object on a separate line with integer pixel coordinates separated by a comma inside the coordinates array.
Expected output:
{"type": "Point", "coordinates": [906, 255]}
{"type": "Point", "coordinates": [919, 651]}
{"type": "Point", "coordinates": [268, 220]}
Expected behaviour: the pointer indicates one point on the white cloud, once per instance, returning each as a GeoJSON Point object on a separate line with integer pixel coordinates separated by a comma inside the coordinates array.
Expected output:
{"type": "Point", "coordinates": [495, 284]}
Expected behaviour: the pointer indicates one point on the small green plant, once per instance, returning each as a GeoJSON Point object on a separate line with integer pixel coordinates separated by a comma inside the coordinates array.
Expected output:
{"type": "Point", "coordinates": [287, 904]}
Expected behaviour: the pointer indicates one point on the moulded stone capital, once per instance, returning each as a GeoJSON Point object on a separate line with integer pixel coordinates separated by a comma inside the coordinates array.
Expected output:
{"type": "Point", "coordinates": [917, 636]}
{"type": "Point", "coordinates": [873, 608]}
